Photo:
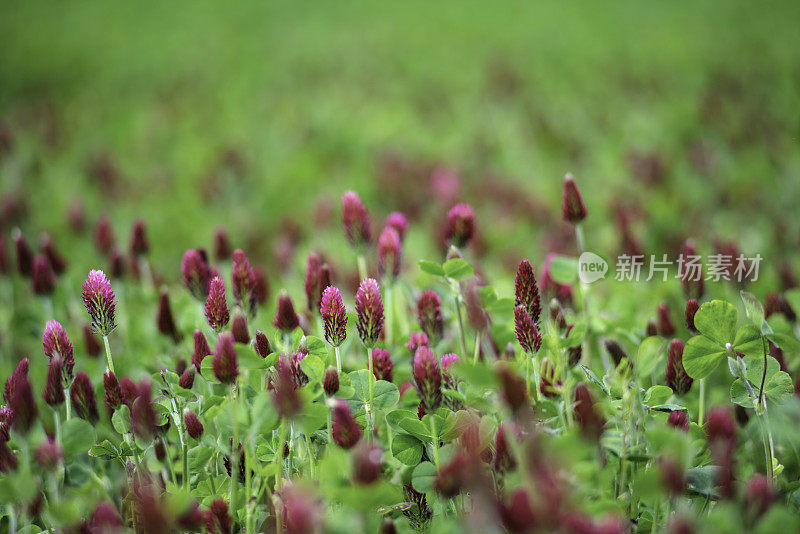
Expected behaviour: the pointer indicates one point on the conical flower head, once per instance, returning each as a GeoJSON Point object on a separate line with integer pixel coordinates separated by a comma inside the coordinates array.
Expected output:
{"type": "Point", "coordinates": [367, 463]}
{"type": "Point", "coordinates": [429, 315]}
{"type": "Point", "coordinates": [313, 281]}
{"type": "Point", "coordinates": [83, 400]}
{"type": "Point", "coordinates": [90, 341]}
{"type": "Point", "coordinates": [676, 376]}
{"type": "Point", "coordinates": [512, 389]}
{"type": "Point", "coordinates": [48, 455]}
{"type": "Point", "coordinates": [355, 219]}
{"type": "Point", "coordinates": [399, 222]}
{"type": "Point", "coordinates": [284, 388]}
{"type": "Point", "coordinates": [691, 309]}
{"type": "Point", "coordinates": [243, 281]}
{"type": "Point", "coordinates": [261, 344]}
{"type": "Point", "coordinates": [678, 419]}
{"type": "Point", "coordinates": [165, 321]}
{"type": "Point", "coordinates": [665, 325]}
{"type": "Point", "coordinates": [113, 395]}
{"type": "Point", "coordinates": [586, 415]}
{"type": "Point", "coordinates": [345, 430]}
{"type": "Point", "coordinates": [100, 302]}
{"type": "Point", "coordinates": [759, 495]}
{"type": "Point", "coordinates": [143, 416]}
{"type": "Point", "coordinates": [222, 245]}
{"type": "Point", "coordinates": [57, 261]}
{"type": "Point", "coordinates": [140, 245]}
{"type": "Point", "coordinates": [615, 350]}
{"type": "Point", "coordinates": [526, 331]}
{"type": "Point", "coordinates": [334, 316]}
{"type": "Point", "coordinates": [330, 384]}
{"type": "Point", "coordinates": [186, 381]}
{"type": "Point", "coordinates": [460, 224]}
{"type": "Point", "coordinates": [20, 374]}
{"type": "Point", "coordinates": [389, 253]}
{"type": "Point", "coordinates": [22, 405]}
{"type": "Point", "coordinates": [56, 343]}
{"type": "Point", "coordinates": [382, 366]}
{"type": "Point", "coordinates": [573, 209]}
{"type": "Point", "coordinates": [201, 349]}
{"type": "Point", "coordinates": [239, 329]}
{"type": "Point", "coordinates": [217, 313]}
{"type": "Point", "coordinates": [428, 379]}
{"type": "Point", "coordinates": [54, 387]}
{"type": "Point", "coordinates": [24, 254]}
{"type": "Point", "coordinates": [415, 341]}
{"type": "Point", "coordinates": [226, 366]}
{"type": "Point", "coordinates": [526, 292]}
{"type": "Point", "coordinates": [286, 318]}
{"type": "Point", "coordinates": [369, 309]}
{"type": "Point", "coordinates": [195, 273]}
{"type": "Point", "coordinates": [720, 426]}
{"type": "Point", "coordinates": [43, 278]}
{"type": "Point", "coordinates": [193, 425]}
{"type": "Point", "coordinates": [104, 235]}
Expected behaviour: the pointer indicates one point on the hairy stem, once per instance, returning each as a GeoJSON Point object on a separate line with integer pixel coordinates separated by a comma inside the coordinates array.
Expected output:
{"type": "Point", "coordinates": [362, 266]}
{"type": "Point", "coordinates": [435, 437]}
{"type": "Point", "coordinates": [108, 354]}
{"type": "Point", "coordinates": [338, 359]}
{"type": "Point", "coordinates": [234, 453]}
{"type": "Point", "coordinates": [370, 415]}
{"type": "Point", "coordinates": [67, 403]}
{"type": "Point", "coordinates": [702, 407]}
{"type": "Point", "coordinates": [461, 336]}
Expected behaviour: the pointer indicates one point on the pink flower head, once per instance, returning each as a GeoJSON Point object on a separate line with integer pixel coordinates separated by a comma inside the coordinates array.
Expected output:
{"type": "Point", "coordinates": [399, 222]}
{"type": "Point", "coordinates": [389, 253]}
{"type": "Point", "coordinates": [526, 292]}
{"type": "Point", "coordinates": [759, 494]}
{"type": "Point", "coordinates": [382, 366]}
{"type": "Point", "coordinates": [100, 302]}
{"type": "Point", "coordinates": [512, 389]}
{"type": "Point", "coordinates": [56, 344]}
{"type": "Point", "coordinates": [193, 425]}
{"type": "Point", "coordinates": [313, 281]}
{"type": "Point", "coordinates": [526, 331]}
{"type": "Point", "coordinates": [143, 416]}
{"type": "Point", "coordinates": [104, 235]}
{"type": "Point", "coordinates": [448, 360]}
{"type": "Point", "coordinates": [369, 309]}
{"type": "Point", "coordinates": [24, 254]}
{"type": "Point", "coordinates": [226, 365]}
{"type": "Point", "coordinates": [428, 379]}
{"type": "Point", "coordinates": [186, 381]}
{"type": "Point", "coordinates": [83, 400]}
{"type": "Point", "coordinates": [286, 318]}
{"type": "Point", "coordinates": [345, 430]}
{"type": "Point", "coordinates": [355, 219]}
{"type": "Point", "coordinates": [573, 209]}
{"type": "Point", "coordinates": [243, 282]}
{"type": "Point", "coordinates": [22, 404]}
{"type": "Point", "coordinates": [43, 278]}
{"type": "Point", "coordinates": [429, 315]}
{"type": "Point", "coordinates": [239, 329]}
{"type": "Point", "coordinates": [217, 312]}
{"type": "Point", "coordinates": [195, 273]}
{"type": "Point", "coordinates": [460, 224]}
{"type": "Point", "coordinates": [676, 376]}
{"type": "Point", "coordinates": [140, 245]}
{"type": "Point", "coordinates": [54, 387]}
{"type": "Point", "coordinates": [217, 518]}
{"type": "Point", "coordinates": [330, 384]}
{"type": "Point", "coordinates": [415, 341]}
{"type": "Point", "coordinates": [201, 349]}
{"type": "Point", "coordinates": [367, 463]}
{"type": "Point", "coordinates": [299, 510]}
{"type": "Point", "coordinates": [284, 388]}
{"type": "Point", "coordinates": [334, 316]}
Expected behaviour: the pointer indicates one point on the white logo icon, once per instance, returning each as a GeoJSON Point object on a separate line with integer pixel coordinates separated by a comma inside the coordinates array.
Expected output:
{"type": "Point", "coordinates": [591, 267]}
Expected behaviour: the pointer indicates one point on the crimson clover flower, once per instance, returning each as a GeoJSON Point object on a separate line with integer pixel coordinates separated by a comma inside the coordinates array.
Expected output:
{"type": "Point", "coordinates": [382, 366]}
{"type": "Point", "coordinates": [389, 253]}
{"type": "Point", "coordinates": [344, 430]}
{"type": "Point", "coordinates": [369, 310]}
{"type": "Point", "coordinates": [217, 312]}
{"type": "Point", "coordinates": [333, 316]}
{"type": "Point", "coordinates": [526, 292]}
{"type": "Point", "coordinates": [573, 208]}
{"type": "Point", "coordinates": [195, 274]}
{"type": "Point", "coordinates": [428, 380]}
{"type": "Point", "coordinates": [100, 302]}
{"type": "Point", "coordinates": [355, 219]}
{"type": "Point", "coordinates": [460, 224]}
{"type": "Point", "coordinates": [83, 400]}
{"type": "Point", "coordinates": [526, 331]}
{"type": "Point", "coordinates": [429, 315]}
{"type": "Point", "coordinates": [676, 376]}
{"type": "Point", "coordinates": [286, 318]}
{"type": "Point", "coordinates": [226, 365]}
{"type": "Point", "coordinates": [57, 344]}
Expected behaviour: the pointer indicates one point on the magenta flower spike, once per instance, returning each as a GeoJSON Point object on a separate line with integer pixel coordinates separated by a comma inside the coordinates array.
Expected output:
{"type": "Point", "coordinates": [100, 302]}
{"type": "Point", "coordinates": [143, 414]}
{"type": "Point", "coordinates": [284, 388]}
{"type": "Point", "coordinates": [330, 384]}
{"type": "Point", "coordinates": [460, 224]}
{"type": "Point", "coordinates": [590, 421]}
{"type": "Point", "coordinates": [83, 399]}
{"type": "Point", "coordinates": [355, 219]}
{"type": "Point", "coordinates": [429, 315]}
{"type": "Point", "coordinates": [691, 309]}
{"type": "Point", "coordinates": [226, 365]}
{"type": "Point", "coordinates": [526, 331]}
{"type": "Point", "coordinates": [367, 463]}
{"type": "Point", "coordinates": [22, 405]}
{"type": "Point", "coordinates": [676, 376]}
{"type": "Point", "coordinates": [195, 273]}
{"type": "Point", "coordinates": [165, 321]}
{"type": "Point", "coordinates": [243, 281]}
{"type": "Point", "coordinates": [57, 344]}
{"type": "Point", "coordinates": [382, 366]}
{"type": "Point", "coordinates": [345, 431]}
{"type": "Point", "coordinates": [664, 323]}
{"type": "Point", "coordinates": [573, 209]}
{"type": "Point", "coordinates": [239, 329]}
{"type": "Point", "coordinates": [24, 254]}
{"type": "Point", "coordinates": [262, 345]}
{"type": "Point", "coordinates": [201, 349]}
{"type": "Point", "coordinates": [217, 313]}
{"type": "Point", "coordinates": [526, 291]}
{"type": "Point", "coordinates": [57, 261]}
{"type": "Point", "coordinates": [678, 419]}
{"type": "Point", "coordinates": [54, 388]}
{"type": "Point", "coordinates": [389, 253]}
{"type": "Point", "coordinates": [113, 392]}
{"type": "Point", "coordinates": [286, 318]}
{"type": "Point", "coordinates": [139, 245]}
{"type": "Point", "coordinates": [334, 316]}
{"type": "Point", "coordinates": [399, 222]}
{"type": "Point", "coordinates": [104, 235]}
{"type": "Point", "coordinates": [428, 380]}
{"type": "Point", "coordinates": [222, 245]}
{"type": "Point", "coordinates": [193, 425]}
{"type": "Point", "coordinates": [186, 381]}
{"type": "Point", "coordinates": [415, 341]}
{"type": "Point", "coordinates": [369, 309]}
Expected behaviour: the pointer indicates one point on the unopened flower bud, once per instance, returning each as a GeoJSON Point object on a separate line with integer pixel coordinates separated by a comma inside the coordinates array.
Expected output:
{"type": "Point", "coordinates": [591, 422]}
{"type": "Point", "coordinates": [526, 331]}
{"type": "Point", "coordinates": [286, 318]}
{"type": "Point", "coordinates": [345, 431]}
{"type": "Point", "coordinates": [460, 224]}
{"type": "Point", "coordinates": [186, 380]}
{"type": "Point", "coordinates": [382, 366]}
{"type": "Point", "coordinates": [678, 419]}
{"type": "Point", "coordinates": [261, 344]}
{"type": "Point", "coordinates": [355, 219]}
{"type": "Point", "coordinates": [428, 379]}
{"type": "Point", "coordinates": [429, 315]}
{"type": "Point", "coordinates": [676, 376]}
{"type": "Point", "coordinates": [573, 210]}
{"type": "Point", "coordinates": [43, 278]}
{"type": "Point", "coordinates": [330, 384]}
{"type": "Point", "coordinates": [165, 321]}
{"type": "Point", "coordinates": [239, 329]}
{"type": "Point", "coordinates": [140, 245]}
{"type": "Point", "coordinates": [389, 253]}
{"type": "Point", "coordinates": [201, 349]}
{"type": "Point", "coordinates": [226, 366]}
{"type": "Point", "coordinates": [83, 399]}
{"type": "Point", "coordinates": [666, 327]}
{"type": "Point", "coordinates": [367, 462]}
{"type": "Point", "coordinates": [691, 309]}
{"type": "Point", "coordinates": [113, 395]}
{"type": "Point", "coordinates": [195, 273]}
{"type": "Point", "coordinates": [193, 425]}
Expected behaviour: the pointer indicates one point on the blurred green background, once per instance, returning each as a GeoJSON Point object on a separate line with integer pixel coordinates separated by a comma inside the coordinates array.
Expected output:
{"type": "Point", "coordinates": [257, 115]}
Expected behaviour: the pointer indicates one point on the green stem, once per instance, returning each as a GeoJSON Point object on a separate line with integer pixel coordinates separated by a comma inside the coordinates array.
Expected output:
{"type": "Point", "coordinates": [655, 516]}
{"type": "Point", "coordinates": [461, 336]}
{"type": "Point", "coordinates": [248, 484]}
{"type": "Point", "coordinates": [370, 415]}
{"type": "Point", "coordinates": [362, 266]}
{"type": "Point", "coordinates": [330, 429]}
{"type": "Point", "coordinates": [387, 323]}
{"type": "Point", "coordinates": [234, 454]}
{"type": "Point", "coordinates": [338, 359]}
{"type": "Point", "coordinates": [702, 408]}
{"type": "Point", "coordinates": [477, 352]}
{"type": "Point", "coordinates": [108, 354]}
{"type": "Point", "coordinates": [527, 373]}
{"type": "Point", "coordinates": [279, 456]}
{"type": "Point", "coordinates": [435, 441]}
{"type": "Point", "coordinates": [67, 403]}
{"type": "Point", "coordinates": [170, 465]}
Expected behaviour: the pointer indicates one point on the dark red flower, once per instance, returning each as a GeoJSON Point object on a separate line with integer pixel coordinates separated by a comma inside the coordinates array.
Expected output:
{"type": "Point", "coordinates": [217, 519]}
{"type": "Point", "coordinates": [286, 318]}
{"type": "Point", "coordinates": [165, 321]}
{"type": "Point", "coordinates": [104, 235]}
{"type": "Point", "coordinates": [90, 341]}
{"type": "Point", "coordinates": [57, 261]}
{"type": "Point", "coordinates": [243, 281]}
{"type": "Point", "coordinates": [239, 329]}
{"type": "Point", "coordinates": [222, 245]}
{"type": "Point", "coordinates": [460, 224]}
{"type": "Point", "coordinates": [313, 281]}
{"type": "Point", "coordinates": [260, 288]}
{"type": "Point", "coordinates": [398, 222]}
{"type": "Point", "coordinates": [330, 384]}
{"type": "Point", "coordinates": [665, 325]}
{"type": "Point", "coordinates": [48, 455]}
{"type": "Point", "coordinates": [300, 511]}
{"type": "Point", "coordinates": [83, 400]}
{"type": "Point", "coordinates": [201, 349]}
{"type": "Point", "coordinates": [615, 350]}
{"type": "Point", "coordinates": [427, 379]}
{"type": "Point", "coordinates": [389, 253]}
{"type": "Point", "coordinates": [367, 463]}
{"type": "Point", "coordinates": [369, 309]}
{"type": "Point", "coordinates": [691, 309]}
{"type": "Point", "coordinates": [22, 404]}
{"type": "Point", "coordinates": [54, 387]}
{"type": "Point", "coordinates": [454, 475]}
{"type": "Point", "coordinates": [113, 396]}
{"type": "Point", "coordinates": [20, 373]}
{"type": "Point", "coordinates": [526, 292]}
{"type": "Point", "coordinates": [43, 278]}
{"type": "Point", "coordinates": [217, 312]}
{"type": "Point", "coordinates": [382, 365]}
{"type": "Point", "coordinates": [673, 475]}
{"type": "Point", "coordinates": [193, 425]}
{"type": "Point", "coordinates": [720, 425]}
{"type": "Point", "coordinates": [429, 315]}
{"type": "Point", "coordinates": [355, 219]}
{"type": "Point", "coordinates": [140, 245]}
{"type": "Point", "coordinates": [573, 209]}
{"type": "Point", "coordinates": [512, 388]}
{"type": "Point", "coordinates": [105, 520]}
{"type": "Point", "coordinates": [678, 419]}
{"type": "Point", "coordinates": [57, 344]}
{"type": "Point", "coordinates": [591, 422]}
{"type": "Point", "coordinates": [759, 495]}
{"type": "Point", "coordinates": [226, 365]}
{"type": "Point", "coordinates": [261, 344]}
{"type": "Point", "coordinates": [503, 460]}
{"type": "Point", "coordinates": [100, 302]}
{"type": "Point", "coordinates": [518, 514]}
{"type": "Point", "coordinates": [143, 414]}
{"type": "Point", "coordinates": [195, 273]}
{"type": "Point", "coordinates": [676, 376]}
{"type": "Point", "coordinates": [186, 380]}
{"type": "Point", "coordinates": [333, 316]}
{"type": "Point", "coordinates": [24, 254]}
{"type": "Point", "coordinates": [345, 430]}
{"type": "Point", "coordinates": [284, 388]}
{"type": "Point", "coordinates": [526, 331]}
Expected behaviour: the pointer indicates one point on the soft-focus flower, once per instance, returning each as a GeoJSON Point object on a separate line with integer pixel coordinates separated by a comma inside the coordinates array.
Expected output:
{"type": "Point", "coordinates": [673, 475]}
{"type": "Point", "coordinates": [152, 514]}
{"type": "Point", "coordinates": [454, 475]}
{"type": "Point", "coordinates": [691, 309]}
{"type": "Point", "coordinates": [90, 341]}
{"type": "Point", "coordinates": [100, 302]}
{"type": "Point", "coordinates": [382, 365]}
{"type": "Point", "coordinates": [333, 316]}
{"type": "Point", "coordinates": [759, 495]}
{"type": "Point", "coordinates": [226, 365]}
{"type": "Point", "coordinates": [217, 312]}
{"type": "Point", "coordinates": [720, 425]}
{"type": "Point", "coordinates": [417, 512]}
{"type": "Point", "coordinates": [48, 455]}
{"type": "Point", "coordinates": [195, 273]}
{"type": "Point", "coordinates": [222, 245]}
{"type": "Point", "coordinates": [429, 315]}
{"type": "Point", "coordinates": [665, 325]}
{"type": "Point", "coordinates": [105, 520]}
{"type": "Point", "coordinates": [104, 235]}
{"type": "Point", "coordinates": [460, 224]}
{"type": "Point", "coordinates": [691, 274]}
{"type": "Point", "coordinates": [57, 344]}
{"type": "Point", "coordinates": [83, 400]}
{"type": "Point", "coordinates": [243, 281]}
{"type": "Point", "coordinates": [345, 431]}
{"type": "Point", "coordinates": [193, 425]}
{"type": "Point", "coordinates": [113, 395]}
{"type": "Point", "coordinates": [428, 380]}
{"type": "Point", "coordinates": [512, 389]}
{"type": "Point", "coordinates": [526, 292]}
{"type": "Point", "coordinates": [615, 350]}
{"type": "Point", "coordinates": [186, 381]}
{"type": "Point", "coordinates": [300, 511]}
{"type": "Point", "coordinates": [140, 245]}
{"type": "Point", "coordinates": [573, 209]}
{"type": "Point", "coordinates": [549, 385]}
{"type": "Point", "coordinates": [503, 459]}
{"type": "Point", "coordinates": [284, 388]}
{"type": "Point", "coordinates": [286, 318]}
{"type": "Point", "coordinates": [57, 261]}
{"type": "Point", "coordinates": [415, 341]}
{"type": "Point", "coordinates": [201, 349]}
{"type": "Point", "coordinates": [399, 222]}
{"type": "Point", "coordinates": [330, 383]}
{"type": "Point", "coordinates": [239, 329]}
{"type": "Point", "coordinates": [22, 404]}
{"type": "Point", "coordinates": [676, 376]}
{"type": "Point", "coordinates": [389, 253]}
{"type": "Point", "coordinates": [590, 421]}
{"type": "Point", "coordinates": [355, 219]}
{"type": "Point", "coordinates": [20, 373]}
{"type": "Point", "coordinates": [217, 519]}
{"type": "Point", "coordinates": [369, 309]}
{"type": "Point", "coordinates": [165, 321]}
{"type": "Point", "coordinates": [526, 331]}
{"type": "Point", "coordinates": [43, 278]}
{"type": "Point", "coordinates": [367, 462]}
{"type": "Point", "coordinates": [261, 344]}
{"type": "Point", "coordinates": [24, 254]}
{"type": "Point", "coordinates": [54, 387]}
{"type": "Point", "coordinates": [313, 281]}
{"type": "Point", "coordinates": [518, 514]}
{"type": "Point", "coordinates": [143, 414]}
{"type": "Point", "coordinates": [678, 419]}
